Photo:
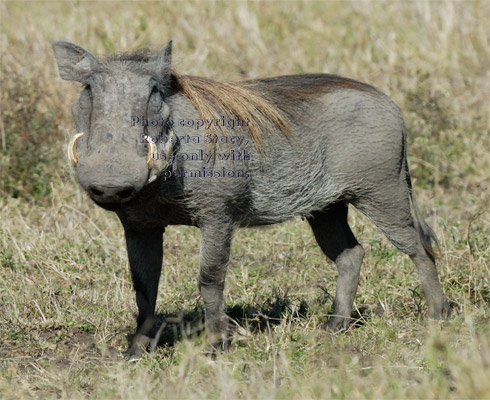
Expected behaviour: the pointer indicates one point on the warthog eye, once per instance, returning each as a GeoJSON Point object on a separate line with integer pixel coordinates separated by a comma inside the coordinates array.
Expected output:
{"type": "Point", "coordinates": [85, 101]}
{"type": "Point", "coordinates": [155, 102]}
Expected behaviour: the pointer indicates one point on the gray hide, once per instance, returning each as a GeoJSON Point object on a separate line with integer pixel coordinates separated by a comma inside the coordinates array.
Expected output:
{"type": "Point", "coordinates": [348, 147]}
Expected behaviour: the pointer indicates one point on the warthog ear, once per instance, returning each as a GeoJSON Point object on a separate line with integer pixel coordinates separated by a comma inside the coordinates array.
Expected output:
{"type": "Point", "coordinates": [162, 60]}
{"type": "Point", "coordinates": [74, 63]}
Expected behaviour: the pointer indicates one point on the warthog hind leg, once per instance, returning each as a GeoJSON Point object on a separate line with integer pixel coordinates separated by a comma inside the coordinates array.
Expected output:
{"type": "Point", "coordinates": [338, 243]}
{"type": "Point", "coordinates": [392, 215]}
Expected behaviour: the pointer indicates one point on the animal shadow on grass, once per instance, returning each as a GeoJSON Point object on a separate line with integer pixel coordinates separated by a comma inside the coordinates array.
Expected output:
{"type": "Point", "coordinates": [170, 328]}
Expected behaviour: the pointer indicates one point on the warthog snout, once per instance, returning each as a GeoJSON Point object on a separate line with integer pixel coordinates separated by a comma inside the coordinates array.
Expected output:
{"type": "Point", "coordinates": [111, 194]}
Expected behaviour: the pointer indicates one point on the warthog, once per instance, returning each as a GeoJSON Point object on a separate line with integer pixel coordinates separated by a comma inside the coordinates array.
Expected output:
{"type": "Point", "coordinates": [160, 149]}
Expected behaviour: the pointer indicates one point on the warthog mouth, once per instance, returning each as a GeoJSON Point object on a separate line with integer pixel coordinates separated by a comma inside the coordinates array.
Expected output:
{"type": "Point", "coordinates": [109, 206]}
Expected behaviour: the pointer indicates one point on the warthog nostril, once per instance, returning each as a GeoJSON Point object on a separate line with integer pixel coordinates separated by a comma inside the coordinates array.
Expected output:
{"type": "Point", "coordinates": [111, 194]}
{"type": "Point", "coordinates": [95, 191]}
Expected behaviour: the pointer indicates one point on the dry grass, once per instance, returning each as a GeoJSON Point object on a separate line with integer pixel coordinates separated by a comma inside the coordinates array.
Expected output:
{"type": "Point", "coordinates": [66, 301]}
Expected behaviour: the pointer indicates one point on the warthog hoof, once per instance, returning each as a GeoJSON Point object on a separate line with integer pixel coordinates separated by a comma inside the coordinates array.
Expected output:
{"type": "Point", "coordinates": [337, 324]}
{"type": "Point", "coordinates": [444, 310]}
{"type": "Point", "coordinates": [217, 346]}
{"type": "Point", "coordinates": [136, 348]}
{"type": "Point", "coordinates": [218, 337]}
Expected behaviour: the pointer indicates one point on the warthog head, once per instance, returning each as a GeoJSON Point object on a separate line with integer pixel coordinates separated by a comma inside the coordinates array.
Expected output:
{"type": "Point", "coordinates": [111, 155]}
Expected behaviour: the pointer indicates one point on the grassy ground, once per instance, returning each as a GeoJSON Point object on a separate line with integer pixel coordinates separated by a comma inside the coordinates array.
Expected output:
{"type": "Point", "coordinates": [66, 301]}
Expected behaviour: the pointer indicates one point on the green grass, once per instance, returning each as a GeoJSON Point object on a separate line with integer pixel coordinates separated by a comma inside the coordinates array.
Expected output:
{"type": "Point", "coordinates": [66, 300]}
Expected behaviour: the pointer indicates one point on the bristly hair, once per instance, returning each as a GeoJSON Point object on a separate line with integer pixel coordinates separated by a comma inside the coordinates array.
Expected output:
{"type": "Point", "coordinates": [245, 99]}
{"type": "Point", "coordinates": [142, 55]}
{"type": "Point", "coordinates": [263, 101]}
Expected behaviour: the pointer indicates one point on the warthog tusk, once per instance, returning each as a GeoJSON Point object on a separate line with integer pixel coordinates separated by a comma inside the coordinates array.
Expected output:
{"type": "Point", "coordinates": [72, 150]}
{"type": "Point", "coordinates": [158, 164]}
{"type": "Point", "coordinates": [152, 149]}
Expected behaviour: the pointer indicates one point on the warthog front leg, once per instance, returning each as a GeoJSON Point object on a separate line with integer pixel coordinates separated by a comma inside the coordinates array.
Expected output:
{"type": "Point", "coordinates": [213, 262]}
{"type": "Point", "coordinates": [145, 252]}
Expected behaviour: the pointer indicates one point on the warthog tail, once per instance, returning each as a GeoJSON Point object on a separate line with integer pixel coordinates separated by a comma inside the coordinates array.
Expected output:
{"type": "Point", "coordinates": [426, 233]}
